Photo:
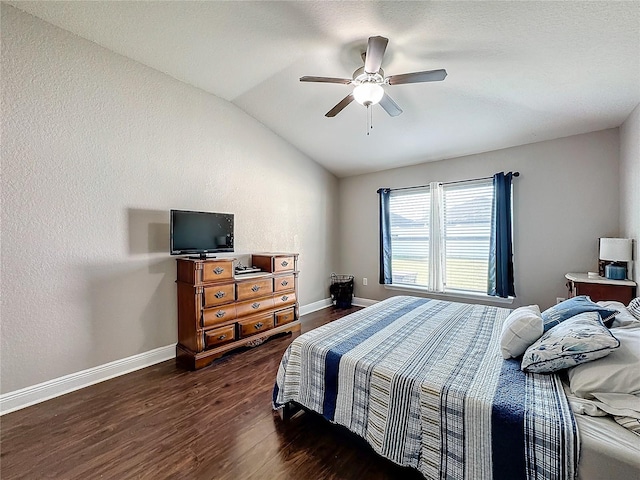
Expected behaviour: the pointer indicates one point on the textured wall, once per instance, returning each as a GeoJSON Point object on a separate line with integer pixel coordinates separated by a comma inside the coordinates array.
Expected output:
{"type": "Point", "coordinates": [565, 198]}
{"type": "Point", "coordinates": [630, 183]}
{"type": "Point", "coordinates": [96, 149]}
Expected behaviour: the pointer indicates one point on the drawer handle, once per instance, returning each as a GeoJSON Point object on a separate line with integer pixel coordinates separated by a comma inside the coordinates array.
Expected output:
{"type": "Point", "coordinates": [284, 263]}
{"type": "Point", "coordinates": [255, 288]}
{"type": "Point", "coordinates": [222, 337]}
{"type": "Point", "coordinates": [284, 298]}
{"type": "Point", "coordinates": [258, 325]}
{"type": "Point", "coordinates": [220, 294]}
{"type": "Point", "coordinates": [255, 305]}
{"type": "Point", "coordinates": [284, 283]}
{"type": "Point", "coordinates": [218, 270]}
{"type": "Point", "coordinates": [221, 313]}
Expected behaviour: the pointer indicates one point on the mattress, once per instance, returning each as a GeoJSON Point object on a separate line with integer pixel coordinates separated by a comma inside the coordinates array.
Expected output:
{"type": "Point", "coordinates": [607, 450]}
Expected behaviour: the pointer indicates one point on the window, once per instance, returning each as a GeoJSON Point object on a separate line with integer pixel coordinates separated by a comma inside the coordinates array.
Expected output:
{"type": "Point", "coordinates": [467, 235]}
{"type": "Point", "coordinates": [440, 236]}
{"type": "Point", "coordinates": [409, 213]}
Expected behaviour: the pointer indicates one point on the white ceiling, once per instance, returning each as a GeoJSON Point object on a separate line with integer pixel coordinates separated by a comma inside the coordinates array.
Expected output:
{"type": "Point", "coordinates": [519, 72]}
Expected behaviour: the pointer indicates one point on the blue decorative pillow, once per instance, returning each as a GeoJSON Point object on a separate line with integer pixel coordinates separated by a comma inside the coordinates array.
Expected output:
{"type": "Point", "coordinates": [573, 306]}
{"type": "Point", "coordinates": [577, 340]}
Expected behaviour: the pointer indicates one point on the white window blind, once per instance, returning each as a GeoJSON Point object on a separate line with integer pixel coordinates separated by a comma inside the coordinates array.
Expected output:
{"type": "Point", "coordinates": [467, 231]}
{"type": "Point", "coordinates": [409, 212]}
{"type": "Point", "coordinates": [466, 218]}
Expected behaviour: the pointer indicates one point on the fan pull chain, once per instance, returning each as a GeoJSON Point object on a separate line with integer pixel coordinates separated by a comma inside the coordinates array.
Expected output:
{"type": "Point", "coordinates": [368, 120]}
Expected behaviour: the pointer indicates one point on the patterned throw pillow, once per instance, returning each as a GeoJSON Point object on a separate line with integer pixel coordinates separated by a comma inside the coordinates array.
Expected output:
{"type": "Point", "coordinates": [634, 307]}
{"type": "Point", "coordinates": [579, 339]}
{"type": "Point", "coordinates": [573, 306]}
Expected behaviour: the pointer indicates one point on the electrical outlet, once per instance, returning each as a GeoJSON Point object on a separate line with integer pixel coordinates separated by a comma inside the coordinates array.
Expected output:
{"type": "Point", "coordinates": [560, 299]}
{"type": "Point", "coordinates": [364, 281]}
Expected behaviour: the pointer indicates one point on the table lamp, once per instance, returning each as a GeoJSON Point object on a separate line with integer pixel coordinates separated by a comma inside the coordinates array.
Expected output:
{"type": "Point", "coordinates": [614, 255]}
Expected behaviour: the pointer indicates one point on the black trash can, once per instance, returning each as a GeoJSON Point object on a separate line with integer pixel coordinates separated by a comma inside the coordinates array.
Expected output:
{"type": "Point", "coordinates": [341, 290]}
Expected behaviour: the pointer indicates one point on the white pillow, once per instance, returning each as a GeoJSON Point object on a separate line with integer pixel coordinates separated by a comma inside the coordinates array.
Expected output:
{"type": "Point", "coordinates": [624, 317]}
{"type": "Point", "coordinates": [521, 328]}
{"type": "Point", "coordinates": [619, 372]}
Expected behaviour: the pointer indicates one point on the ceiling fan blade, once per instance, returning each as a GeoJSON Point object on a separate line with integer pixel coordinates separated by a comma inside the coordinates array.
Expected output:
{"type": "Point", "coordinates": [345, 81]}
{"type": "Point", "coordinates": [390, 106]}
{"type": "Point", "coordinates": [375, 51]}
{"type": "Point", "coordinates": [417, 77]}
{"type": "Point", "coordinates": [341, 104]}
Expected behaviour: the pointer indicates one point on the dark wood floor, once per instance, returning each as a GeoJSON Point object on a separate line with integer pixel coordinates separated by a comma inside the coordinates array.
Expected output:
{"type": "Point", "coordinates": [163, 422]}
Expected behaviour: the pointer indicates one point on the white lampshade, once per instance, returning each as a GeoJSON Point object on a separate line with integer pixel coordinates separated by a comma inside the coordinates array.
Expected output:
{"type": "Point", "coordinates": [616, 249]}
{"type": "Point", "coordinates": [368, 93]}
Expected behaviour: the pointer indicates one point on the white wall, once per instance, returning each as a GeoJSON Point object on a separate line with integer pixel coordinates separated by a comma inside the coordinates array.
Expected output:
{"type": "Point", "coordinates": [96, 149]}
{"type": "Point", "coordinates": [630, 183]}
{"type": "Point", "coordinates": [564, 200]}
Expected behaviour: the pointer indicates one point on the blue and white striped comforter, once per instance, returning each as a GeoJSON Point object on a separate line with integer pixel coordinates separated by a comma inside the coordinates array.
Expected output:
{"type": "Point", "coordinates": [424, 383]}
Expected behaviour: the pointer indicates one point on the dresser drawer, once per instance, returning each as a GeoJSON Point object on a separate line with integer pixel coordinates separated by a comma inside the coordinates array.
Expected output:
{"type": "Point", "coordinates": [598, 292]}
{"type": "Point", "coordinates": [213, 316]}
{"type": "Point", "coordinates": [286, 282]}
{"type": "Point", "coordinates": [282, 264]}
{"type": "Point", "coordinates": [250, 307]}
{"type": "Point", "coordinates": [256, 324]}
{"type": "Point", "coordinates": [219, 294]}
{"type": "Point", "coordinates": [285, 316]}
{"type": "Point", "coordinates": [274, 262]}
{"type": "Point", "coordinates": [219, 336]}
{"type": "Point", "coordinates": [255, 288]}
{"type": "Point", "coordinates": [282, 299]}
{"type": "Point", "coordinates": [214, 271]}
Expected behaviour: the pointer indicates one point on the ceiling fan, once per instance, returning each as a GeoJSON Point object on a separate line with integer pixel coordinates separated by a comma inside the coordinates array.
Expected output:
{"type": "Point", "coordinates": [369, 79]}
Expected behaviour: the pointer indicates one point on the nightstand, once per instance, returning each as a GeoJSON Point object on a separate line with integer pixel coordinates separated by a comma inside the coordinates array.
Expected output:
{"type": "Point", "coordinates": [600, 288]}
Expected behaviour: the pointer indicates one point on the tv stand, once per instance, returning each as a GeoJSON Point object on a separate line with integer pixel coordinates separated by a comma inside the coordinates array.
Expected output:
{"type": "Point", "coordinates": [219, 312]}
{"type": "Point", "coordinates": [202, 256]}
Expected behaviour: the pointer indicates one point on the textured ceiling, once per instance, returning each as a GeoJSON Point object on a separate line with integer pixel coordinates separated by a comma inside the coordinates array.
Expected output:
{"type": "Point", "coordinates": [519, 72]}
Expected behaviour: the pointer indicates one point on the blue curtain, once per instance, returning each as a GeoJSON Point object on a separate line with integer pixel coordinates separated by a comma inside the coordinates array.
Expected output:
{"type": "Point", "coordinates": [385, 237]}
{"type": "Point", "coordinates": [500, 278]}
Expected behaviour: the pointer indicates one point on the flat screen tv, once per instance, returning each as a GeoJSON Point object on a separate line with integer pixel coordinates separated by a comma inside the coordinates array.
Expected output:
{"type": "Point", "coordinates": [200, 232]}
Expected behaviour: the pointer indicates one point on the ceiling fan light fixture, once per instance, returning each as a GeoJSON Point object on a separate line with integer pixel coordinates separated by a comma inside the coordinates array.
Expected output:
{"type": "Point", "coordinates": [368, 93]}
{"type": "Point", "coordinates": [369, 79]}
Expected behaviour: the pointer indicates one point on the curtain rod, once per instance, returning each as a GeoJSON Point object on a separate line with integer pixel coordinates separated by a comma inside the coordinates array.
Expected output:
{"type": "Point", "coordinates": [515, 174]}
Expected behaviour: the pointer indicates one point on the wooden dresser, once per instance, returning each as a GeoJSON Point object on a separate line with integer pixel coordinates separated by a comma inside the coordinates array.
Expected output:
{"type": "Point", "coordinates": [600, 288]}
{"type": "Point", "coordinates": [219, 311]}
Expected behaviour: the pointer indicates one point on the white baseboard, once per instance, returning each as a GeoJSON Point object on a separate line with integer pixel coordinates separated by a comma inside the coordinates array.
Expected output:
{"type": "Point", "coordinates": [25, 397]}
{"type": "Point", "coordinates": [315, 306]}
{"type": "Point", "coordinates": [363, 302]}
{"type": "Point", "coordinates": [319, 305]}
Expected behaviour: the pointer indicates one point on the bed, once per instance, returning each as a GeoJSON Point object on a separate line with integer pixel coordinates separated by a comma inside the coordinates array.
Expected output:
{"type": "Point", "coordinates": [424, 383]}
{"type": "Point", "coordinates": [607, 451]}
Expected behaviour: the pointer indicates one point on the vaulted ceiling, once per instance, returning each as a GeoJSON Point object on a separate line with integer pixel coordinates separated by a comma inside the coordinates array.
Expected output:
{"type": "Point", "coordinates": [518, 72]}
